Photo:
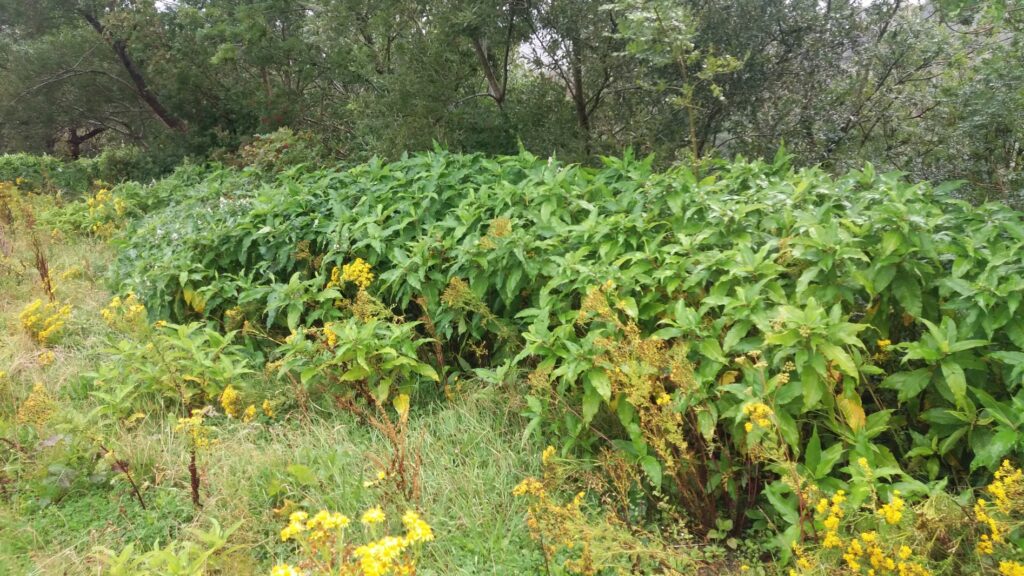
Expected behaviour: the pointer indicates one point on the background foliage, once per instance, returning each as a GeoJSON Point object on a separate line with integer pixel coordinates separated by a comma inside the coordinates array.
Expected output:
{"type": "Point", "coordinates": [922, 87]}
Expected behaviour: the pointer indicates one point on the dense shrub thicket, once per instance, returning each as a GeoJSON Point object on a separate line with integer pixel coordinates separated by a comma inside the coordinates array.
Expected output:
{"type": "Point", "coordinates": [48, 172]}
{"type": "Point", "coordinates": [717, 329]}
{"type": "Point", "coordinates": [71, 178]}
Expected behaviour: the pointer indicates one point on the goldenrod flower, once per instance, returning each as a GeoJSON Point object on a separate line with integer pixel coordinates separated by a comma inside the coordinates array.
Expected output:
{"type": "Point", "coordinates": [892, 512]}
{"type": "Point", "coordinates": [37, 409]}
{"type": "Point", "coordinates": [229, 400]}
{"type": "Point", "coordinates": [357, 272]}
{"type": "Point", "coordinates": [197, 432]}
{"type": "Point", "coordinates": [548, 453]}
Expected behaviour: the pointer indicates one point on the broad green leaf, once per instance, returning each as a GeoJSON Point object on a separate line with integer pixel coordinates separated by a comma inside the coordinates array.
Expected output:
{"type": "Point", "coordinates": [598, 379]}
{"type": "Point", "coordinates": [652, 468]}
{"type": "Point", "coordinates": [711, 349]}
{"type": "Point", "coordinates": [989, 452]}
{"type": "Point", "coordinates": [908, 293]}
{"type": "Point", "coordinates": [840, 357]}
{"type": "Point", "coordinates": [955, 378]}
{"type": "Point", "coordinates": [591, 402]}
{"type": "Point", "coordinates": [908, 384]}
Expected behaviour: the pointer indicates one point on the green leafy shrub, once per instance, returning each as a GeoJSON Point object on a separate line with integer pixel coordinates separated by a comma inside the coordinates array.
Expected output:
{"type": "Point", "coordinates": [184, 366]}
{"type": "Point", "coordinates": [673, 318]}
{"type": "Point", "coordinates": [130, 163]}
{"type": "Point", "coordinates": [48, 173]}
{"type": "Point", "coordinates": [280, 150]}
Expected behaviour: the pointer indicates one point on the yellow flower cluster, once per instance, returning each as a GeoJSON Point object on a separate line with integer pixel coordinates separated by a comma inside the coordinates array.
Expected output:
{"type": "Point", "coordinates": [380, 556]}
{"type": "Point", "coordinates": [373, 516]}
{"type": "Point", "coordinates": [892, 512]}
{"type": "Point", "coordinates": [123, 312]}
{"type": "Point", "coordinates": [284, 570]}
{"type": "Point", "coordinates": [198, 433]}
{"type": "Point", "coordinates": [44, 322]}
{"type": "Point", "coordinates": [547, 455]}
{"type": "Point", "coordinates": [318, 527]}
{"type": "Point", "coordinates": [1007, 490]}
{"type": "Point", "coordinates": [46, 357]}
{"type": "Point", "coordinates": [234, 318]}
{"type": "Point", "coordinates": [759, 416]}
{"type": "Point", "coordinates": [1010, 568]}
{"type": "Point", "coordinates": [322, 535]}
{"type": "Point", "coordinates": [335, 281]}
{"type": "Point", "coordinates": [38, 408]}
{"type": "Point", "coordinates": [498, 228]}
{"type": "Point", "coordinates": [330, 335]}
{"type": "Point", "coordinates": [866, 552]}
{"type": "Point", "coordinates": [556, 525]}
{"type": "Point", "coordinates": [416, 529]}
{"type": "Point", "coordinates": [529, 486]}
{"type": "Point", "coordinates": [230, 401]}
{"type": "Point", "coordinates": [831, 512]}
{"type": "Point", "coordinates": [102, 197]}
{"type": "Point", "coordinates": [71, 273]}
{"type": "Point", "coordinates": [358, 273]}
{"type": "Point", "coordinates": [104, 210]}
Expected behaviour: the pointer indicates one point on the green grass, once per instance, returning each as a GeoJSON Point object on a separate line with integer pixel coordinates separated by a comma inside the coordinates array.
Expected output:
{"type": "Point", "coordinates": [470, 445]}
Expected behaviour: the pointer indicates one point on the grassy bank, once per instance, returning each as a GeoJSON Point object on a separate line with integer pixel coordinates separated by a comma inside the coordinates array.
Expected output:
{"type": "Point", "coordinates": [55, 521]}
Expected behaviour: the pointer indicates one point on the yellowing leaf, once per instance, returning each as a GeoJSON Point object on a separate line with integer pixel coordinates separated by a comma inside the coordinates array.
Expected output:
{"type": "Point", "coordinates": [853, 412]}
{"type": "Point", "coordinates": [728, 377]}
{"type": "Point", "coordinates": [401, 404]}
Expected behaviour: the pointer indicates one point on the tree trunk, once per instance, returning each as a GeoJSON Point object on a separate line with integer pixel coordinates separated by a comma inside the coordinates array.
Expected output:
{"type": "Point", "coordinates": [120, 48]}
{"type": "Point", "coordinates": [495, 89]}
{"type": "Point", "coordinates": [75, 140]}
{"type": "Point", "coordinates": [579, 97]}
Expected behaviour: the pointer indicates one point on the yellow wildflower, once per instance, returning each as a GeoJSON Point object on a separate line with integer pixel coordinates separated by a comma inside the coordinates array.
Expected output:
{"type": "Point", "coordinates": [229, 400]}
{"type": "Point", "coordinates": [46, 357]}
{"type": "Point", "coordinates": [892, 512]}
{"type": "Point", "coordinates": [373, 516]}
{"type": "Point", "coordinates": [548, 453]}
{"type": "Point", "coordinates": [416, 530]}
{"type": "Point", "coordinates": [378, 557]}
{"type": "Point", "coordinates": [198, 433]}
{"type": "Point", "coordinates": [330, 335]}
{"type": "Point", "coordinates": [37, 409]}
{"type": "Point", "coordinates": [284, 570]}
{"type": "Point", "coordinates": [759, 415]}
{"type": "Point", "coordinates": [357, 272]}
{"type": "Point", "coordinates": [1010, 568]}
